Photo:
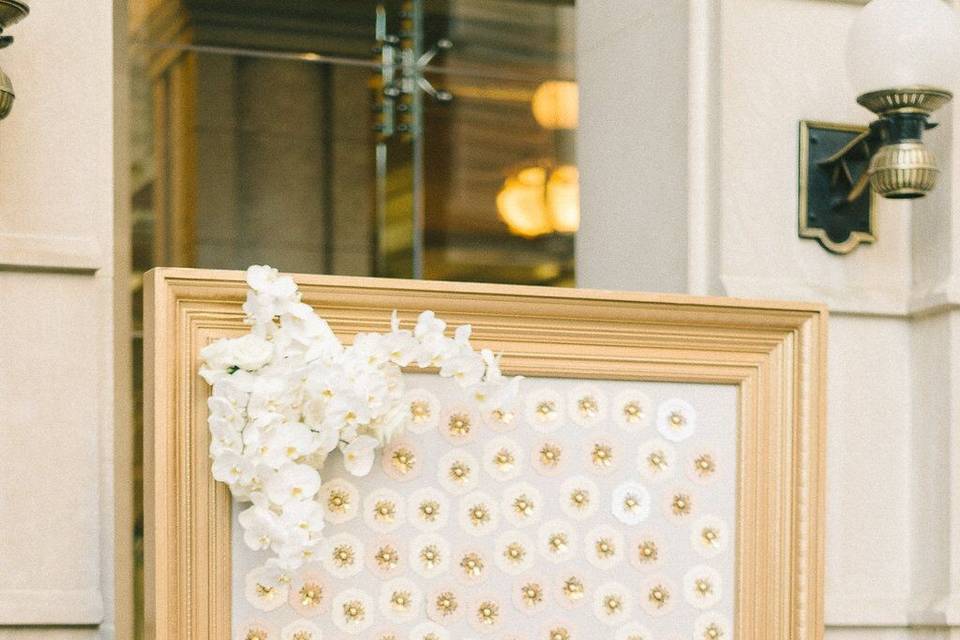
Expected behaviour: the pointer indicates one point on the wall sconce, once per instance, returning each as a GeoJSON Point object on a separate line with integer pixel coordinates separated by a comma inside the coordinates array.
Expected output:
{"type": "Point", "coordinates": [901, 58]}
{"type": "Point", "coordinates": [11, 12]}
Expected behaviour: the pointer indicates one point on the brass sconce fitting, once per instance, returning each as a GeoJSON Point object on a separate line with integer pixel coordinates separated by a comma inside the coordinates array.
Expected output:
{"type": "Point", "coordinates": [904, 167]}
{"type": "Point", "coordinates": [11, 12]}
{"type": "Point", "coordinates": [843, 167]}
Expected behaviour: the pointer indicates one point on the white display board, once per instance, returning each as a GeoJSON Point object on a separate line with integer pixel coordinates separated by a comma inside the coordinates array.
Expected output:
{"type": "Point", "coordinates": [595, 510]}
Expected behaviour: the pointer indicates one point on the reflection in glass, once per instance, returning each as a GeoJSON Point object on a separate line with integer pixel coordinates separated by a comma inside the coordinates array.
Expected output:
{"type": "Point", "coordinates": [258, 137]}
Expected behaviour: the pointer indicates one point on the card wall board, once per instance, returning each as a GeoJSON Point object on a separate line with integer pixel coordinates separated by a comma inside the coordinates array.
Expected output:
{"type": "Point", "coordinates": [762, 361]}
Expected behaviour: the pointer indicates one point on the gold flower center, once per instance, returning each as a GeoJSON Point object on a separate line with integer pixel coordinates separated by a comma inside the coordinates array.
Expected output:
{"type": "Point", "coordinates": [515, 552]}
{"type": "Point", "coordinates": [472, 564]}
{"type": "Point", "coordinates": [532, 594]}
{"type": "Point", "coordinates": [648, 551]}
{"type": "Point", "coordinates": [419, 411]}
{"type": "Point", "coordinates": [387, 557]}
{"type": "Point", "coordinates": [573, 588]}
{"type": "Point", "coordinates": [588, 406]}
{"type": "Point", "coordinates": [459, 424]}
{"type": "Point", "coordinates": [605, 548]}
{"type": "Point", "coordinates": [403, 460]}
{"type": "Point", "coordinates": [354, 611]}
{"type": "Point", "coordinates": [659, 596]}
{"type": "Point", "coordinates": [343, 555]}
{"type": "Point", "coordinates": [430, 556]}
{"type": "Point", "coordinates": [311, 594]}
{"type": "Point", "coordinates": [447, 603]}
{"type": "Point", "coordinates": [488, 612]}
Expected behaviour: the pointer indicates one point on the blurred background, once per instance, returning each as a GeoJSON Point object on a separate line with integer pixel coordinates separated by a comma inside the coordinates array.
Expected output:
{"type": "Point", "coordinates": [408, 138]}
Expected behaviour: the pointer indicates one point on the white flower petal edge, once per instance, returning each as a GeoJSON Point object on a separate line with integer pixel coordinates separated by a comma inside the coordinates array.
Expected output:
{"type": "Point", "coordinates": [288, 394]}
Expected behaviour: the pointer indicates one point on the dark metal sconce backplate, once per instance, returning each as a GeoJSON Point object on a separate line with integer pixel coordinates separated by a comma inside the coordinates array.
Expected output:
{"type": "Point", "coordinates": [827, 213]}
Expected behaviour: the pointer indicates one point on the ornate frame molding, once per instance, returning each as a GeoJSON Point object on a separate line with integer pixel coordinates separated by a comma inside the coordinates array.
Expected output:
{"type": "Point", "coordinates": [774, 352]}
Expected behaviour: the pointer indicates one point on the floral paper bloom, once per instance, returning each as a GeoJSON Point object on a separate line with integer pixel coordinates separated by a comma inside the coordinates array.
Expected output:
{"type": "Point", "coordinates": [648, 550]}
{"type": "Point", "coordinates": [266, 588]}
{"type": "Point", "coordinates": [288, 394]}
{"type": "Point", "coordinates": [559, 630]}
{"type": "Point", "coordinates": [658, 596]}
{"type": "Point", "coordinates": [712, 626]}
{"type": "Point", "coordinates": [612, 603]}
{"type": "Point", "coordinates": [486, 613]}
{"type": "Point", "coordinates": [429, 631]}
{"type": "Point", "coordinates": [544, 410]}
{"type": "Point", "coordinates": [301, 630]}
{"type": "Point", "coordinates": [515, 553]}
{"type": "Point", "coordinates": [309, 594]}
{"type": "Point", "coordinates": [631, 410]}
{"type": "Point", "coordinates": [459, 424]}
{"type": "Point", "coordinates": [633, 631]}
{"type": "Point", "coordinates": [401, 460]}
{"type": "Point", "coordinates": [549, 458]}
{"type": "Point", "coordinates": [604, 547]}
{"type": "Point", "coordinates": [656, 460]}
{"type": "Point", "coordinates": [423, 410]}
{"type": "Point", "coordinates": [353, 611]}
{"type": "Point", "coordinates": [503, 459]}
{"type": "Point", "coordinates": [579, 497]}
{"type": "Point", "coordinates": [401, 600]}
{"type": "Point", "coordinates": [522, 504]}
{"type": "Point", "coordinates": [342, 555]}
{"type": "Point", "coordinates": [680, 504]}
{"type": "Point", "coordinates": [444, 605]}
{"type": "Point", "coordinates": [602, 456]}
{"type": "Point", "coordinates": [530, 595]}
{"type": "Point", "coordinates": [458, 471]}
{"type": "Point", "coordinates": [556, 540]}
{"type": "Point", "coordinates": [384, 510]}
{"type": "Point", "coordinates": [571, 591]}
{"type": "Point", "coordinates": [631, 503]}
{"type": "Point", "coordinates": [340, 500]}
{"type": "Point", "coordinates": [430, 555]}
{"type": "Point", "coordinates": [587, 406]}
{"type": "Point", "coordinates": [702, 466]}
{"type": "Point", "coordinates": [429, 509]}
{"type": "Point", "coordinates": [709, 535]}
{"type": "Point", "coordinates": [676, 420]}
{"type": "Point", "coordinates": [472, 566]}
{"type": "Point", "coordinates": [384, 558]}
{"type": "Point", "coordinates": [504, 417]}
{"type": "Point", "coordinates": [479, 514]}
{"type": "Point", "coordinates": [255, 630]}
{"type": "Point", "coordinates": [701, 587]}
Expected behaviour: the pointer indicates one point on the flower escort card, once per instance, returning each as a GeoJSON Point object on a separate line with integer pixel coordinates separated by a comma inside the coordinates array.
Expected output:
{"type": "Point", "coordinates": [581, 509]}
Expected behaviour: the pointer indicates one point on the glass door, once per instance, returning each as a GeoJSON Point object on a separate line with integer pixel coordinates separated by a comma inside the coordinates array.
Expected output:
{"type": "Point", "coordinates": [404, 138]}
{"type": "Point", "coordinates": [399, 138]}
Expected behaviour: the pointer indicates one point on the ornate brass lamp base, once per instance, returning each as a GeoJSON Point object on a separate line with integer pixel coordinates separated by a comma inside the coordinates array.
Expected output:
{"type": "Point", "coordinates": [839, 165]}
{"type": "Point", "coordinates": [11, 12]}
{"type": "Point", "coordinates": [923, 100]}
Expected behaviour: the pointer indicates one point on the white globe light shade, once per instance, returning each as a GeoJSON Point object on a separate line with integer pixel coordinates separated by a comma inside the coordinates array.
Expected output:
{"type": "Point", "coordinates": [903, 43]}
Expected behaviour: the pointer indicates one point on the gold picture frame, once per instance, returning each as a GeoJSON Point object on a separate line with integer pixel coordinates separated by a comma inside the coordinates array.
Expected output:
{"type": "Point", "coordinates": [774, 352]}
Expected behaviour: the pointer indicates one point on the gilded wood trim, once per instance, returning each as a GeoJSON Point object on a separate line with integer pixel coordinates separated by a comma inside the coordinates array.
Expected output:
{"type": "Point", "coordinates": [773, 351]}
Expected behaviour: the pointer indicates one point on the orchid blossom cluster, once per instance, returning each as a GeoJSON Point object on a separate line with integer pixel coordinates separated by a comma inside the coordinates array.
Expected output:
{"type": "Point", "coordinates": [288, 394]}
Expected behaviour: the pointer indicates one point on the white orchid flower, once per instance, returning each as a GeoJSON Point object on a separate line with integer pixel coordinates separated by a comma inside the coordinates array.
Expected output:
{"type": "Point", "coordinates": [261, 527]}
{"type": "Point", "coordinates": [292, 482]}
{"type": "Point", "coordinates": [288, 393]}
{"type": "Point", "coordinates": [358, 456]}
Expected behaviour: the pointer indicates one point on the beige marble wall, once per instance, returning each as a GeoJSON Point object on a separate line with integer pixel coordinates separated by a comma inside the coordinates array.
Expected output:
{"type": "Point", "coordinates": [57, 330]}
{"type": "Point", "coordinates": [740, 74]}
